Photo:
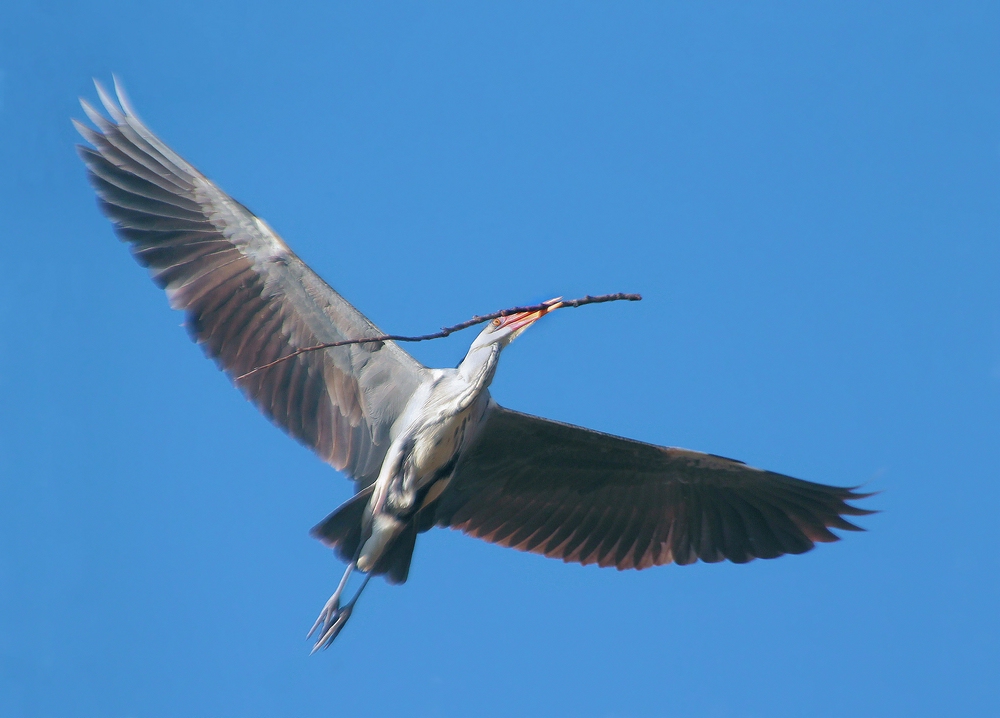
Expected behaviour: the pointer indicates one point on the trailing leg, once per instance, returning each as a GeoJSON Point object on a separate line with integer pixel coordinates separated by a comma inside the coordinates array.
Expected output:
{"type": "Point", "coordinates": [333, 617]}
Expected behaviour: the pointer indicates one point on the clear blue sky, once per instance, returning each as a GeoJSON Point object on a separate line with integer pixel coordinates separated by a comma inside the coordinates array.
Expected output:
{"type": "Point", "coordinates": [807, 195]}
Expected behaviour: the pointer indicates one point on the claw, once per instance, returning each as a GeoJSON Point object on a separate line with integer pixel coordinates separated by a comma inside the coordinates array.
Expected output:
{"type": "Point", "coordinates": [327, 615]}
{"type": "Point", "coordinates": [333, 617]}
{"type": "Point", "coordinates": [333, 628]}
{"type": "Point", "coordinates": [329, 611]}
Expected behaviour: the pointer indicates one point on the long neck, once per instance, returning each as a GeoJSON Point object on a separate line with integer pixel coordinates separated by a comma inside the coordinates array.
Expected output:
{"type": "Point", "coordinates": [479, 366]}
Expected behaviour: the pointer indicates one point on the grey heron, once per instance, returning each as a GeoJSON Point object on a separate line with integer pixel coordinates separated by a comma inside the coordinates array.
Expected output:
{"type": "Point", "coordinates": [425, 447]}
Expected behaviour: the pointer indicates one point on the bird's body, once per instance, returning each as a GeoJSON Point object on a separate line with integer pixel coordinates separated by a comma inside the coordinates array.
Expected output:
{"type": "Point", "coordinates": [440, 420]}
{"type": "Point", "coordinates": [438, 423]}
{"type": "Point", "coordinates": [425, 447]}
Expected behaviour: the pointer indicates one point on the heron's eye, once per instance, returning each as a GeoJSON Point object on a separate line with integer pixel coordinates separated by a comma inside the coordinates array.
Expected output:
{"type": "Point", "coordinates": [496, 322]}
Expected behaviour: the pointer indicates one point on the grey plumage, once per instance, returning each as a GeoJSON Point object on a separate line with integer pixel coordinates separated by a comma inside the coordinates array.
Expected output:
{"type": "Point", "coordinates": [425, 446]}
{"type": "Point", "coordinates": [248, 298]}
{"type": "Point", "coordinates": [580, 495]}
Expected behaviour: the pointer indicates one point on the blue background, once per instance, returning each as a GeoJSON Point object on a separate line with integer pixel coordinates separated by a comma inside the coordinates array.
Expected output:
{"type": "Point", "coordinates": [805, 193]}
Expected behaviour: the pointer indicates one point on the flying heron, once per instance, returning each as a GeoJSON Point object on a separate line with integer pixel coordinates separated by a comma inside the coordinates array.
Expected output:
{"type": "Point", "coordinates": [425, 447]}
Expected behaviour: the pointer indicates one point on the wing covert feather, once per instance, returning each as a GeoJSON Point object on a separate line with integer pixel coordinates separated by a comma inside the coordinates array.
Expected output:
{"type": "Point", "coordinates": [248, 298]}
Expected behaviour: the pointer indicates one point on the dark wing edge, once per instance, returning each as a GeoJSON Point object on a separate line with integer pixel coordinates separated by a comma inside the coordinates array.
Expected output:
{"type": "Point", "coordinates": [248, 298]}
{"type": "Point", "coordinates": [583, 496]}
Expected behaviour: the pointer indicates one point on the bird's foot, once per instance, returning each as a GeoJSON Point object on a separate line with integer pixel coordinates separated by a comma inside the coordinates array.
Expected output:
{"type": "Point", "coordinates": [330, 623]}
{"type": "Point", "coordinates": [327, 615]}
{"type": "Point", "coordinates": [333, 617]}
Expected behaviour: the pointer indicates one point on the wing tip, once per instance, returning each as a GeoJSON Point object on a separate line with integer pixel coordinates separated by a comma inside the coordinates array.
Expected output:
{"type": "Point", "coordinates": [123, 99]}
{"type": "Point", "coordinates": [851, 494]}
{"type": "Point", "coordinates": [110, 103]}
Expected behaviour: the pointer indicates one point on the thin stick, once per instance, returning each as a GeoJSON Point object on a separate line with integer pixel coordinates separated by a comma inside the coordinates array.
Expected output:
{"type": "Point", "coordinates": [445, 331]}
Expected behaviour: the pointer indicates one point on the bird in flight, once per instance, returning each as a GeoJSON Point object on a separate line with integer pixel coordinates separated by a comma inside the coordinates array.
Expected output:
{"type": "Point", "coordinates": [425, 447]}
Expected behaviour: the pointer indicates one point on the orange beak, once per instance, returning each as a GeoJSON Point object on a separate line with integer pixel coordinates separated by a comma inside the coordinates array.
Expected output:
{"type": "Point", "coordinates": [522, 320]}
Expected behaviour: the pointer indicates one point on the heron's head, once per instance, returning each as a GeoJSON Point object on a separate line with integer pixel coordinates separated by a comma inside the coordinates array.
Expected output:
{"type": "Point", "coordinates": [481, 361]}
{"type": "Point", "coordinates": [503, 330]}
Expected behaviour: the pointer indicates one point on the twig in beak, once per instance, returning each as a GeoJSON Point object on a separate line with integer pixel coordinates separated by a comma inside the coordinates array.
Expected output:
{"type": "Point", "coordinates": [545, 307]}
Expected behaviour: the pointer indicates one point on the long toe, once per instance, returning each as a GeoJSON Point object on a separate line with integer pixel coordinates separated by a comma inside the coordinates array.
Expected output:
{"type": "Point", "coordinates": [327, 616]}
{"type": "Point", "coordinates": [333, 628]}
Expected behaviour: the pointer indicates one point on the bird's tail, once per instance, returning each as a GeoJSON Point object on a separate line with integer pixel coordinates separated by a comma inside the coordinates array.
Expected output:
{"type": "Point", "coordinates": [342, 529]}
{"type": "Point", "coordinates": [343, 532]}
{"type": "Point", "coordinates": [395, 560]}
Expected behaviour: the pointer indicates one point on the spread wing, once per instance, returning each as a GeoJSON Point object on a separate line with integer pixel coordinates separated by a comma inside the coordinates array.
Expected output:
{"type": "Point", "coordinates": [579, 495]}
{"type": "Point", "coordinates": [249, 300]}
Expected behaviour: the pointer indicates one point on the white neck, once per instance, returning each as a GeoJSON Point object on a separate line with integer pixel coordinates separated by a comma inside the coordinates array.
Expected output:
{"type": "Point", "coordinates": [479, 365]}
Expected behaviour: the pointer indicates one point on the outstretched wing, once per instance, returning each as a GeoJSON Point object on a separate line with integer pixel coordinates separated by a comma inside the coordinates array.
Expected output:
{"type": "Point", "coordinates": [579, 495]}
{"type": "Point", "coordinates": [249, 300]}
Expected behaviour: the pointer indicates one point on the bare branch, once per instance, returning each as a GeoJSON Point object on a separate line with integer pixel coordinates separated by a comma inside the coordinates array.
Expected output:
{"type": "Point", "coordinates": [445, 331]}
